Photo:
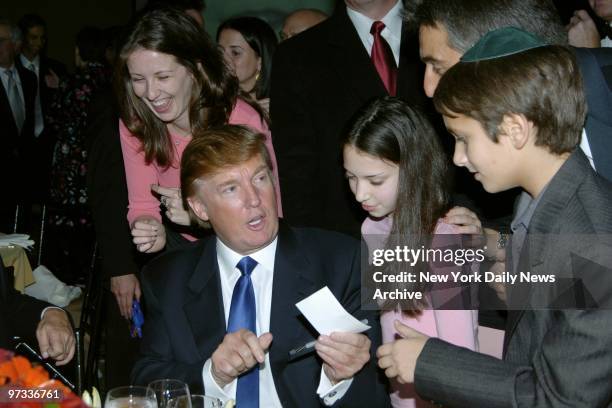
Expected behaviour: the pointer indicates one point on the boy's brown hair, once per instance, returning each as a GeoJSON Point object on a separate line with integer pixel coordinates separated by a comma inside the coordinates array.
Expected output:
{"type": "Point", "coordinates": [543, 84]}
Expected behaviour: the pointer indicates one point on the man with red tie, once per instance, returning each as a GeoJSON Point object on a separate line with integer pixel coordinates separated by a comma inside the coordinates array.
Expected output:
{"type": "Point", "coordinates": [320, 78]}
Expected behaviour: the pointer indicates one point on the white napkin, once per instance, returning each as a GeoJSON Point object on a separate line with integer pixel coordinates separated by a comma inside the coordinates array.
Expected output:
{"type": "Point", "coordinates": [22, 240]}
{"type": "Point", "coordinates": [51, 289]}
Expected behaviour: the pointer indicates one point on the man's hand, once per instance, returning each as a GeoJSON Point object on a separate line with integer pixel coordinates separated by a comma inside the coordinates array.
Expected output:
{"type": "Point", "coordinates": [171, 199]}
{"type": "Point", "coordinates": [399, 358]}
{"type": "Point", "coordinates": [582, 32]}
{"type": "Point", "coordinates": [55, 336]}
{"type": "Point", "coordinates": [148, 234]}
{"type": "Point", "coordinates": [466, 221]}
{"type": "Point", "coordinates": [343, 354]}
{"type": "Point", "coordinates": [238, 353]}
{"type": "Point", "coordinates": [125, 288]}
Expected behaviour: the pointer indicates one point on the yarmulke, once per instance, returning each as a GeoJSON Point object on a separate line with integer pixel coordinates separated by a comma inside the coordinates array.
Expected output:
{"type": "Point", "coordinates": [501, 43]}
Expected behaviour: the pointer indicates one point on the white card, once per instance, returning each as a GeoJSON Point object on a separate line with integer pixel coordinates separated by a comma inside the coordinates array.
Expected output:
{"type": "Point", "coordinates": [327, 315]}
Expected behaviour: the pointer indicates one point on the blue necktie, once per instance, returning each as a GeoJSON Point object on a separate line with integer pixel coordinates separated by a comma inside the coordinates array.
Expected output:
{"type": "Point", "coordinates": [243, 316]}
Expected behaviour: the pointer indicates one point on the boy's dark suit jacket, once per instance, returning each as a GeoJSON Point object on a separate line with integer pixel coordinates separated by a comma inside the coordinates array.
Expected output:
{"type": "Point", "coordinates": [320, 78]}
{"type": "Point", "coordinates": [553, 358]}
{"type": "Point", "coordinates": [185, 321]}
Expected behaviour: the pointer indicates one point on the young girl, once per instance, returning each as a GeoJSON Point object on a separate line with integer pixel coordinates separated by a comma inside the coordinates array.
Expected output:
{"type": "Point", "coordinates": [398, 171]}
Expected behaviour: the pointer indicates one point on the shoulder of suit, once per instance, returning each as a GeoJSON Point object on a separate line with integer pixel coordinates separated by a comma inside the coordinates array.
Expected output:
{"type": "Point", "coordinates": [175, 263]}
{"type": "Point", "coordinates": [324, 240]}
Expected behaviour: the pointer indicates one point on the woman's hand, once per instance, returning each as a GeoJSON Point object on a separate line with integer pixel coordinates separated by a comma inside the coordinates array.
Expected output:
{"type": "Point", "coordinates": [172, 200]}
{"type": "Point", "coordinates": [148, 234]}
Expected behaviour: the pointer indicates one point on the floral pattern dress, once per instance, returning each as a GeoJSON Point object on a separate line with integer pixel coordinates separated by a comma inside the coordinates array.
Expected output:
{"type": "Point", "coordinates": [68, 118]}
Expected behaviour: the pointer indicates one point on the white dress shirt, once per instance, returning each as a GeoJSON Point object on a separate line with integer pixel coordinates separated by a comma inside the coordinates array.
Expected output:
{"type": "Point", "coordinates": [586, 148]}
{"type": "Point", "coordinates": [34, 66]}
{"type": "Point", "coordinates": [392, 32]}
{"type": "Point", "coordinates": [262, 278]}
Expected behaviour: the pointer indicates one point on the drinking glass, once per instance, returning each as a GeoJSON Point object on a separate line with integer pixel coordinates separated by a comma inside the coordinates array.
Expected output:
{"type": "Point", "coordinates": [195, 401]}
{"type": "Point", "coordinates": [168, 389]}
{"type": "Point", "coordinates": [130, 397]}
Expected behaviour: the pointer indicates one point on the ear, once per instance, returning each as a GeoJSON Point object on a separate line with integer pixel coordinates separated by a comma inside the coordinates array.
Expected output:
{"type": "Point", "coordinates": [517, 128]}
{"type": "Point", "coordinates": [198, 208]}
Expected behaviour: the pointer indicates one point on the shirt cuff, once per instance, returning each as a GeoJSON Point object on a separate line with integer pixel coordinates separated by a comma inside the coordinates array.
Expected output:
{"type": "Point", "coordinates": [330, 393]}
{"type": "Point", "coordinates": [42, 314]}
{"type": "Point", "coordinates": [211, 388]}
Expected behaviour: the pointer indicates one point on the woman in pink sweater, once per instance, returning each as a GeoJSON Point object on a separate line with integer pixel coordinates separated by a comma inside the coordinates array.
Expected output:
{"type": "Point", "coordinates": [398, 172]}
{"type": "Point", "coordinates": [171, 82]}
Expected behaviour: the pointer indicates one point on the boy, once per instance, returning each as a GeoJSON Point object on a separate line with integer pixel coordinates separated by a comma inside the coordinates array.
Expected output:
{"type": "Point", "coordinates": [515, 106]}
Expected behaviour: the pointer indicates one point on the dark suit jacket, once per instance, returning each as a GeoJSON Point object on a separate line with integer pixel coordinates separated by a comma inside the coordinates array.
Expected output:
{"type": "Point", "coordinates": [553, 358]}
{"type": "Point", "coordinates": [14, 146]}
{"type": "Point", "coordinates": [20, 313]}
{"type": "Point", "coordinates": [320, 78]}
{"type": "Point", "coordinates": [185, 321]}
{"type": "Point", "coordinates": [46, 93]}
{"type": "Point", "coordinates": [107, 188]}
{"type": "Point", "coordinates": [596, 67]}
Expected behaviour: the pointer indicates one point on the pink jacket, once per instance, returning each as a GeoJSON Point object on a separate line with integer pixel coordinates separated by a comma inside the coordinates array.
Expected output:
{"type": "Point", "coordinates": [459, 327]}
{"type": "Point", "coordinates": [141, 176]}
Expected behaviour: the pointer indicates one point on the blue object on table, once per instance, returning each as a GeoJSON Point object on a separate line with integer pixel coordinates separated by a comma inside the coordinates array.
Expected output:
{"type": "Point", "coordinates": [137, 320]}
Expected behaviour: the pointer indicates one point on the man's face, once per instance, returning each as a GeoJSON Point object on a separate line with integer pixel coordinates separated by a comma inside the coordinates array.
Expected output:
{"type": "Point", "coordinates": [7, 47]}
{"type": "Point", "coordinates": [34, 41]}
{"type": "Point", "coordinates": [603, 8]}
{"type": "Point", "coordinates": [240, 203]}
{"type": "Point", "coordinates": [490, 162]}
{"type": "Point", "coordinates": [436, 54]}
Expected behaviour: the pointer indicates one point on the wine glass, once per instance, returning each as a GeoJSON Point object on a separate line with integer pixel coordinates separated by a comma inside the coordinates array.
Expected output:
{"type": "Point", "coordinates": [130, 397]}
{"type": "Point", "coordinates": [167, 389]}
{"type": "Point", "coordinates": [195, 401]}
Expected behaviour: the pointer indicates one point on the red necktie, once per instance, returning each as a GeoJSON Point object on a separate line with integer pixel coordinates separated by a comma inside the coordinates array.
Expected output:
{"type": "Point", "coordinates": [382, 57]}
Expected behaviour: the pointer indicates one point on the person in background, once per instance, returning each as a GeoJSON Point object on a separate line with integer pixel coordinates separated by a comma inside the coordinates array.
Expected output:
{"type": "Point", "coordinates": [248, 45]}
{"type": "Point", "coordinates": [18, 95]}
{"type": "Point", "coordinates": [320, 79]}
{"type": "Point", "coordinates": [300, 20]}
{"type": "Point", "coordinates": [48, 72]}
{"type": "Point", "coordinates": [70, 227]}
{"type": "Point", "coordinates": [582, 30]}
{"type": "Point", "coordinates": [171, 80]}
{"type": "Point", "coordinates": [108, 197]}
{"type": "Point", "coordinates": [398, 172]}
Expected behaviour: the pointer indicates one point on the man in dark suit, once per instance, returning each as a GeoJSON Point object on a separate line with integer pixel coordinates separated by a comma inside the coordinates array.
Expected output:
{"type": "Point", "coordinates": [249, 279]}
{"type": "Point", "coordinates": [16, 105]}
{"type": "Point", "coordinates": [48, 73]}
{"type": "Point", "coordinates": [559, 334]}
{"type": "Point", "coordinates": [447, 29]}
{"type": "Point", "coordinates": [31, 319]}
{"type": "Point", "coordinates": [320, 78]}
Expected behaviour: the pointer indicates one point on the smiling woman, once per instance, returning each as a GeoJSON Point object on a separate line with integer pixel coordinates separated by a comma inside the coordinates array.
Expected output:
{"type": "Point", "coordinates": [171, 82]}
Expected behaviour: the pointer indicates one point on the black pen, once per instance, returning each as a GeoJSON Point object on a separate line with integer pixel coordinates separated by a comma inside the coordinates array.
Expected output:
{"type": "Point", "coordinates": [308, 347]}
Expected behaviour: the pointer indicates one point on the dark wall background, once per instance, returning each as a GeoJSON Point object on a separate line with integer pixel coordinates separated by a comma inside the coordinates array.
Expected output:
{"type": "Point", "coordinates": [66, 17]}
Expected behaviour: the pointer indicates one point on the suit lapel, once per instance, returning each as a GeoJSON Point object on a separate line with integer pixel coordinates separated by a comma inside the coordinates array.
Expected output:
{"type": "Point", "coordinates": [350, 59]}
{"type": "Point", "coordinates": [204, 305]}
{"type": "Point", "coordinates": [291, 284]}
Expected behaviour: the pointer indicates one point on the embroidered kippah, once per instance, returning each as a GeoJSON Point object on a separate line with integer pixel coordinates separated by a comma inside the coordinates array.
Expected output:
{"type": "Point", "coordinates": [501, 43]}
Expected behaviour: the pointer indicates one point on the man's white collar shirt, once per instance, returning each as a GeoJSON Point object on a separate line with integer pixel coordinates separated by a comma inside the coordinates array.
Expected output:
{"type": "Point", "coordinates": [16, 78]}
{"type": "Point", "coordinates": [262, 278]}
{"type": "Point", "coordinates": [34, 66]}
{"type": "Point", "coordinates": [392, 32]}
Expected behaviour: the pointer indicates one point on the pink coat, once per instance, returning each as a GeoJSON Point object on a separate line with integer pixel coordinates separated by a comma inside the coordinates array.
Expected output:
{"type": "Point", "coordinates": [459, 327]}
